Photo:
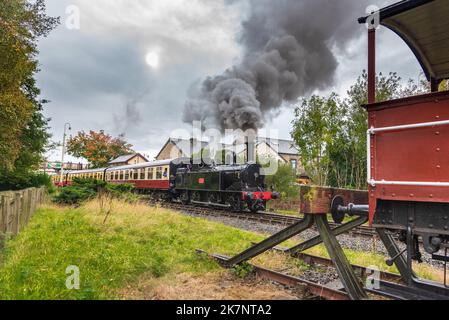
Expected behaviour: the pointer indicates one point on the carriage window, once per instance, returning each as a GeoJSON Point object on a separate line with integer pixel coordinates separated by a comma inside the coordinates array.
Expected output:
{"type": "Point", "coordinates": [151, 174]}
{"type": "Point", "coordinates": [142, 174]}
{"type": "Point", "coordinates": [121, 175]}
{"type": "Point", "coordinates": [158, 173]}
{"type": "Point", "coordinates": [165, 174]}
{"type": "Point", "coordinates": [136, 175]}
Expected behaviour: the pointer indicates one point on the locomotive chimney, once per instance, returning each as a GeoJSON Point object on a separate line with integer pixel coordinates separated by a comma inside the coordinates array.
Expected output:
{"type": "Point", "coordinates": [250, 142]}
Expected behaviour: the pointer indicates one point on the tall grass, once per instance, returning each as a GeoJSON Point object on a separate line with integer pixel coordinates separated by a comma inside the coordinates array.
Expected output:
{"type": "Point", "coordinates": [134, 240]}
{"type": "Point", "coordinates": [114, 243]}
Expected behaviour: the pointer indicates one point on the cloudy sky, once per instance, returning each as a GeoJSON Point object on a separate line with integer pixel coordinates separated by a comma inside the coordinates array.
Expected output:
{"type": "Point", "coordinates": [129, 66]}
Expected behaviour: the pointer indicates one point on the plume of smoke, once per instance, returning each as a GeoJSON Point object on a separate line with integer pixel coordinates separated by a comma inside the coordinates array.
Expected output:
{"type": "Point", "coordinates": [130, 117]}
{"type": "Point", "coordinates": [288, 52]}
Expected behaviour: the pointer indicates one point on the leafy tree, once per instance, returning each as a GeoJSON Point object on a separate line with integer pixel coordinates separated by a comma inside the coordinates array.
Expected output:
{"type": "Point", "coordinates": [98, 148]}
{"type": "Point", "coordinates": [23, 129]}
{"type": "Point", "coordinates": [284, 181]}
{"type": "Point", "coordinates": [331, 133]}
{"type": "Point", "coordinates": [315, 130]}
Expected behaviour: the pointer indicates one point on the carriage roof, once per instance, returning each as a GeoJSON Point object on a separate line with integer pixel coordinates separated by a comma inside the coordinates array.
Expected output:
{"type": "Point", "coordinates": [423, 25]}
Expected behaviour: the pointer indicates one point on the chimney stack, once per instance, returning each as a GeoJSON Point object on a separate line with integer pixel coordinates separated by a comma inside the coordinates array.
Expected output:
{"type": "Point", "coordinates": [250, 142]}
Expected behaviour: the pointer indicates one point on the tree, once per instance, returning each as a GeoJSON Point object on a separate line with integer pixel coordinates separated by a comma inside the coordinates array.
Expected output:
{"type": "Point", "coordinates": [316, 131]}
{"type": "Point", "coordinates": [331, 133]}
{"type": "Point", "coordinates": [98, 148]}
{"type": "Point", "coordinates": [23, 129]}
{"type": "Point", "coordinates": [284, 181]}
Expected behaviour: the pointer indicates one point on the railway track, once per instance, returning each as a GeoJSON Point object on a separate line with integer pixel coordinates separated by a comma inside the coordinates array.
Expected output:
{"type": "Point", "coordinates": [263, 217]}
{"type": "Point", "coordinates": [316, 290]}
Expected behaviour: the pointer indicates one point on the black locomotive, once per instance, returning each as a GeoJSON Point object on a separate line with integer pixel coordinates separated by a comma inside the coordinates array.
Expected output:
{"type": "Point", "coordinates": [237, 187]}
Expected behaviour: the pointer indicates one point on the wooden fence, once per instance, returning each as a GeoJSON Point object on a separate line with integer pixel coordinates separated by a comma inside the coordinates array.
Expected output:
{"type": "Point", "coordinates": [17, 207]}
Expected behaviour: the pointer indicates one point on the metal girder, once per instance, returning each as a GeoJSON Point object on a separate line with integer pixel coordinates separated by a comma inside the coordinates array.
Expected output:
{"type": "Point", "coordinates": [417, 288]}
{"type": "Point", "coordinates": [352, 284]}
{"type": "Point", "coordinates": [318, 240]}
{"type": "Point", "coordinates": [271, 242]}
{"type": "Point", "coordinates": [394, 251]}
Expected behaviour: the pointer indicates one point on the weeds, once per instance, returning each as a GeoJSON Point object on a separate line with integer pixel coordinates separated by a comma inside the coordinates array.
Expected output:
{"type": "Point", "coordinates": [243, 270]}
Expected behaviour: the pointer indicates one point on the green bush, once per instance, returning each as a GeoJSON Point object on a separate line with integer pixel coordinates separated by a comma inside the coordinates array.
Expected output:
{"type": "Point", "coordinates": [23, 180]}
{"type": "Point", "coordinates": [74, 195]}
{"type": "Point", "coordinates": [86, 189]}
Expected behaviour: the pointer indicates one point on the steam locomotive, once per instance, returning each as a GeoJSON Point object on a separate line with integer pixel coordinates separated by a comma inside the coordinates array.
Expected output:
{"type": "Point", "coordinates": [234, 187]}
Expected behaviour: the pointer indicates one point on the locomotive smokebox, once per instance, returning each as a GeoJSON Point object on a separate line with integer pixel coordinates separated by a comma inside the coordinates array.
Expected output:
{"type": "Point", "coordinates": [250, 142]}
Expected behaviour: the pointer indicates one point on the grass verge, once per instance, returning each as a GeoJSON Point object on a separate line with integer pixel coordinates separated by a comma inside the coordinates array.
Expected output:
{"type": "Point", "coordinates": [127, 251]}
{"type": "Point", "coordinates": [134, 240]}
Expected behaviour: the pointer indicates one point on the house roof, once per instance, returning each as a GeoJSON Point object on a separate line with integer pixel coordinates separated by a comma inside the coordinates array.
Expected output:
{"type": "Point", "coordinates": [281, 146]}
{"type": "Point", "coordinates": [126, 158]}
{"type": "Point", "coordinates": [184, 146]}
{"type": "Point", "coordinates": [423, 25]}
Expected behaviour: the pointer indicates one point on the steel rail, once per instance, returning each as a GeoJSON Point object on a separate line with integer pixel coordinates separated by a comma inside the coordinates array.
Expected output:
{"type": "Point", "coordinates": [271, 218]}
{"type": "Point", "coordinates": [315, 289]}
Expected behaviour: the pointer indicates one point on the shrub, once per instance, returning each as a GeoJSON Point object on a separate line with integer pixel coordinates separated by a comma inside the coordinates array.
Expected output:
{"type": "Point", "coordinates": [74, 195]}
{"type": "Point", "coordinates": [86, 189]}
{"type": "Point", "coordinates": [24, 180]}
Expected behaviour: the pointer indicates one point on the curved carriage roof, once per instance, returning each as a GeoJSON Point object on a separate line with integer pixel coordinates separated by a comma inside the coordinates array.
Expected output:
{"type": "Point", "coordinates": [423, 25]}
{"type": "Point", "coordinates": [135, 166]}
{"type": "Point", "coordinates": [151, 164]}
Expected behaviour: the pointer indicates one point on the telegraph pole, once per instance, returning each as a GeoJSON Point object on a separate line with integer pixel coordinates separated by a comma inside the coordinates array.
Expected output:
{"type": "Point", "coordinates": [67, 126]}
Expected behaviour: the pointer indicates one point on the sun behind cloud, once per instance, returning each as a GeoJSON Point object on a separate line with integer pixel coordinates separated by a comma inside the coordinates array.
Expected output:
{"type": "Point", "coordinates": [152, 59]}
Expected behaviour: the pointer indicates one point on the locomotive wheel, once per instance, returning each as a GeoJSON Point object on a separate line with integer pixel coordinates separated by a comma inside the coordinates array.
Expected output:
{"type": "Point", "coordinates": [185, 198]}
{"type": "Point", "coordinates": [234, 204]}
{"type": "Point", "coordinates": [212, 199]}
{"type": "Point", "coordinates": [196, 196]}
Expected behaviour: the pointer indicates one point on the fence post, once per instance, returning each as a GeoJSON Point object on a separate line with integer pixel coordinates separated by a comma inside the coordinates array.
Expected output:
{"type": "Point", "coordinates": [18, 210]}
{"type": "Point", "coordinates": [9, 212]}
{"type": "Point", "coordinates": [2, 213]}
{"type": "Point", "coordinates": [29, 193]}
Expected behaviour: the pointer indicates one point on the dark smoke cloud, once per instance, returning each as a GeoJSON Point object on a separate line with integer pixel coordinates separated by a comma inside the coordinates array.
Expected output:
{"type": "Point", "coordinates": [130, 118]}
{"type": "Point", "coordinates": [288, 46]}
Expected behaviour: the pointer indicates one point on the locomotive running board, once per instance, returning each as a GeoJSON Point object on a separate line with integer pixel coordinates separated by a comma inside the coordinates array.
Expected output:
{"type": "Point", "coordinates": [353, 286]}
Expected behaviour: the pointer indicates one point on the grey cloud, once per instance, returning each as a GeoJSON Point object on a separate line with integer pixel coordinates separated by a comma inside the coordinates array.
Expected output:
{"type": "Point", "coordinates": [288, 53]}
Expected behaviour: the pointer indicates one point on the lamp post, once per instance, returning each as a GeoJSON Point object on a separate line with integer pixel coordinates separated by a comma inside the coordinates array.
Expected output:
{"type": "Point", "coordinates": [67, 126]}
